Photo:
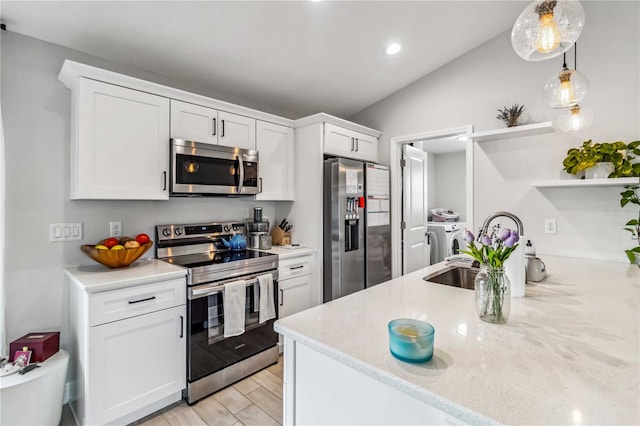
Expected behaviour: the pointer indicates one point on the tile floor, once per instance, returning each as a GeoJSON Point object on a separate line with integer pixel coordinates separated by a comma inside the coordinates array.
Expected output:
{"type": "Point", "coordinates": [256, 400]}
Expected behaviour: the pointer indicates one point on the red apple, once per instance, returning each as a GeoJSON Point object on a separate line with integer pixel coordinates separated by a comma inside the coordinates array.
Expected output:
{"type": "Point", "coordinates": [142, 238]}
{"type": "Point", "coordinates": [110, 242]}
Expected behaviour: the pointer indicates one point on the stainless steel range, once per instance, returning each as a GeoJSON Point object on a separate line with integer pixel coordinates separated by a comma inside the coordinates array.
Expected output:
{"type": "Point", "coordinates": [214, 361]}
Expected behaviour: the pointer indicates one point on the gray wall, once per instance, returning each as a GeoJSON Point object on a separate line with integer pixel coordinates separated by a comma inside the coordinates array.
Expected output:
{"type": "Point", "coordinates": [35, 108]}
{"type": "Point", "coordinates": [450, 183]}
{"type": "Point", "coordinates": [471, 88]}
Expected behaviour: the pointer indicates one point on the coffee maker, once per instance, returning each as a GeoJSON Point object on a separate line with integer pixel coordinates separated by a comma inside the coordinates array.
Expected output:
{"type": "Point", "coordinates": [256, 228]}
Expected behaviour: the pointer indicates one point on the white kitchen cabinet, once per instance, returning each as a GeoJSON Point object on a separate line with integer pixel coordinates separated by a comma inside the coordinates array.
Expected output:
{"type": "Point", "coordinates": [207, 125]}
{"type": "Point", "coordinates": [296, 277]}
{"type": "Point", "coordinates": [111, 126]}
{"type": "Point", "coordinates": [128, 344]}
{"type": "Point", "coordinates": [275, 145]}
{"type": "Point", "coordinates": [350, 144]}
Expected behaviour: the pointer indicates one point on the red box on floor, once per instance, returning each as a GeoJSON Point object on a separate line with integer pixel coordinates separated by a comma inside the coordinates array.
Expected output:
{"type": "Point", "coordinates": [41, 345]}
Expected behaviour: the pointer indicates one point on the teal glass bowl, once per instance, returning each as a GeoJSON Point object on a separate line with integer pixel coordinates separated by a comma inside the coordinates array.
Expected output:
{"type": "Point", "coordinates": [411, 340]}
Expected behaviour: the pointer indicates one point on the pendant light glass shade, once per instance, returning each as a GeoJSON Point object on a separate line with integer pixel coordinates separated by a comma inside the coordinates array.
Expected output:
{"type": "Point", "coordinates": [565, 89]}
{"type": "Point", "coordinates": [574, 119]}
{"type": "Point", "coordinates": [546, 29]}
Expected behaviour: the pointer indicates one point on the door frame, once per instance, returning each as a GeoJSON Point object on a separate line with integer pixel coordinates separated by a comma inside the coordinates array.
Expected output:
{"type": "Point", "coordinates": [395, 147]}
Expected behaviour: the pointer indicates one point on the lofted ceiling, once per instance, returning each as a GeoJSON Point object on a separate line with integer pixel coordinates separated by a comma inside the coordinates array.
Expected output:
{"type": "Point", "coordinates": [290, 58]}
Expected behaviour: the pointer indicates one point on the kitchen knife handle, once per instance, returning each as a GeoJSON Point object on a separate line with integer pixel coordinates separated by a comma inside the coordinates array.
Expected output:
{"type": "Point", "coordinates": [181, 326]}
{"type": "Point", "coordinates": [214, 127]}
{"type": "Point", "coordinates": [222, 128]}
{"type": "Point", "coordinates": [164, 181]}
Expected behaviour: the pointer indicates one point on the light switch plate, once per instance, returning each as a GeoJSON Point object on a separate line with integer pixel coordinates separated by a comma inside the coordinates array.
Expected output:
{"type": "Point", "coordinates": [59, 232]}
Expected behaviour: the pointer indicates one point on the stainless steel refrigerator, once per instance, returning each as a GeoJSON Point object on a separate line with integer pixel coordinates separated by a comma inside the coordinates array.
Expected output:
{"type": "Point", "coordinates": [355, 255]}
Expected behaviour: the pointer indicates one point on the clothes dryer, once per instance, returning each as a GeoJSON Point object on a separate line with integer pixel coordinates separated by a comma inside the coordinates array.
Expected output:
{"type": "Point", "coordinates": [445, 239]}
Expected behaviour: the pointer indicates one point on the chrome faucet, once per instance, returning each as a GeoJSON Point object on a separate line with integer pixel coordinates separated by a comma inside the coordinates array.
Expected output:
{"type": "Point", "coordinates": [487, 221]}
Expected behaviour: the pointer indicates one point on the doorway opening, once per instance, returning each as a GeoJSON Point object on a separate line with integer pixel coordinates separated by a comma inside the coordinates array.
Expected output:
{"type": "Point", "coordinates": [413, 197]}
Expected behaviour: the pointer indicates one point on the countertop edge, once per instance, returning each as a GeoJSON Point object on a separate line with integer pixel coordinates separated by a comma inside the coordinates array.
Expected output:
{"type": "Point", "coordinates": [449, 407]}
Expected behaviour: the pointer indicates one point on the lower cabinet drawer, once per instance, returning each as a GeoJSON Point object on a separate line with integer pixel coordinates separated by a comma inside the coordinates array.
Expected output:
{"type": "Point", "coordinates": [129, 302]}
{"type": "Point", "coordinates": [295, 267]}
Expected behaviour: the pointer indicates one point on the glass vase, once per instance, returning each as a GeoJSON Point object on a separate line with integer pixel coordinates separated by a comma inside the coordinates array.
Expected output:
{"type": "Point", "coordinates": [493, 294]}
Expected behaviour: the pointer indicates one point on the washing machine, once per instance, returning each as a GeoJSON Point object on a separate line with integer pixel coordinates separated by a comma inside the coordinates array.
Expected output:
{"type": "Point", "coordinates": [445, 239]}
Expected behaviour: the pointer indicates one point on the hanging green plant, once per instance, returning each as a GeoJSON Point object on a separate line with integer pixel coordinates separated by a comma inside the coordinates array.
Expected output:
{"type": "Point", "coordinates": [630, 195]}
{"type": "Point", "coordinates": [618, 153]}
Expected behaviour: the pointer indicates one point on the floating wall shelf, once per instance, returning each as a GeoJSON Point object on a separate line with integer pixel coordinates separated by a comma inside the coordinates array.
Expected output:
{"type": "Point", "coordinates": [513, 132]}
{"type": "Point", "coordinates": [577, 183]}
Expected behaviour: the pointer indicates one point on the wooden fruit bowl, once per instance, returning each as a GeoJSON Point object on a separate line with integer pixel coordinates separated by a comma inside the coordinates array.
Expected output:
{"type": "Point", "coordinates": [116, 258]}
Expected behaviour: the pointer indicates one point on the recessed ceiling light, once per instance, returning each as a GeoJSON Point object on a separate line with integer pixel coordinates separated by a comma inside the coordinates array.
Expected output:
{"type": "Point", "coordinates": [393, 48]}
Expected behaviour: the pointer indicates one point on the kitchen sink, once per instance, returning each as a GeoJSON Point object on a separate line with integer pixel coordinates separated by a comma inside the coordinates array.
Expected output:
{"type": "Point", "coordinates": [455, 276]}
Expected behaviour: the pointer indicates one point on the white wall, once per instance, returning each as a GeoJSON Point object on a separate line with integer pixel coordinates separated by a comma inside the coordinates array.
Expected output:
{"type": "Point", "coordinates": [471, 88]}
{"type": "Point", "coordinates": [35, 108]}
{"type": "Point", "coordinates": [450, 182]}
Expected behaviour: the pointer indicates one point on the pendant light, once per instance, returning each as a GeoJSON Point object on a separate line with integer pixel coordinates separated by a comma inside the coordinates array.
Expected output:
{"type": "Point", "coordinates": [567, 88]}
{"type": "Point", "coordinates": [574, 119]}
{"type": "Point", "coordinates": [546, 29]}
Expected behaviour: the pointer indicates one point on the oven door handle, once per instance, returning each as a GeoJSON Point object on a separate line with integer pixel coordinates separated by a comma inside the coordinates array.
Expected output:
{"type": "Point", "coordinates": [241, 168]}
{"type": "Point", "coordinates": [217, 288]}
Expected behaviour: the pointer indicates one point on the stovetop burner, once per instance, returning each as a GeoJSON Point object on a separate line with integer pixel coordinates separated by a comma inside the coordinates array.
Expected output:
{"type": "Point", "coordinates": [216, 258]}
{"type": "Point", "coordinates": [201, 249]}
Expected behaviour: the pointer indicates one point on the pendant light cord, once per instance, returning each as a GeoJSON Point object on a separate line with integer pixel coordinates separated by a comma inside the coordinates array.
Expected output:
{"type": "Point", "coordinates": [564, 61]}
{"type": "Point", "coordinates": [575, 56]}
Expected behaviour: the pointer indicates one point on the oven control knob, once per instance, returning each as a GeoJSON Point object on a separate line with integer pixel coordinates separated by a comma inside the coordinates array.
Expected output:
{"type": "Point", "coordinates": [226, 228]}
{"type": "Point", "coordinates": [235, 227]}
{"type": "Point", "coordinates": [178, 231]}
{"type": "Point", "coordinates": [166, 232]}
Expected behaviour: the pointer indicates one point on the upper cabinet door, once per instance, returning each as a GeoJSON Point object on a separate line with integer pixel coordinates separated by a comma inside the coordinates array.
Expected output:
{"type": "Point", "coordinates": [338, 141]}
{"type": "Point", "coordinates": [236, 131]}
{"type": "Point", "coordinates": [194, 122]}
{"type": "Point", "coordinates": [350, 144]}
{"type": "Point", "coordinates": [275, 145]}
{"type": "Point", "coordinates": [366, 148]}
{"type": "Point", "coordinates": [121, 149]}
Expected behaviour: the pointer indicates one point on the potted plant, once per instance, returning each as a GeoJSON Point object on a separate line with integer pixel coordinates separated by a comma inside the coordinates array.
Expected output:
{"type": "Point", "coordinates": [589, 155]}
{"type": "Point", "coordinates": [511, 116]}
{"type": "Point", "coordinates": [630, 195]}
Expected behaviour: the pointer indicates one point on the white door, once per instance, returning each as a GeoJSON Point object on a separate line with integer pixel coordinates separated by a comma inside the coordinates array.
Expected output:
{"type": "Point", "coordinates": [123, 144]}
{"type": "Point", "coordinates": [338, 141]}
{"type": "Point", "coordinates": [135, 362]}
{"type": "Point", "coordinates": [194, 122]}
{"type": "Point", "coordinates": [275, 145]}
{"type": "Point", "coordinates": [295, 295]}
{"type": "Point", "coordinates": [415, 250]}
{"type": "Point", "coordinates": [236, 131]}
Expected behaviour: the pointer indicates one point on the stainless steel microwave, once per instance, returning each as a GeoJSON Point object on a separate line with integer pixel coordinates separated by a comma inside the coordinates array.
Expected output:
{"type": "Point", "coordinates": [204, 169]}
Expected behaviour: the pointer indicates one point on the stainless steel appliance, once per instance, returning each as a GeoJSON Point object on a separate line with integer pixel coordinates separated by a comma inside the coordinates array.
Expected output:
{"type": "Point", "coordinates": [205, 169]}
{"type": "Point", "coordinates": [357, 254]}
{"type": "Point", "coordinates": [214, 361]}
{"type": "Point", "coordinates": [257, 228]}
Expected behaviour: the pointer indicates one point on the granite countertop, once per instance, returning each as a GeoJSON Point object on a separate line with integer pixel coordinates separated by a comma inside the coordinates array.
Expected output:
{"type": "Point", "coordinates": [96, 278]}
{"type": "Point", "coordinates": [569, 353]}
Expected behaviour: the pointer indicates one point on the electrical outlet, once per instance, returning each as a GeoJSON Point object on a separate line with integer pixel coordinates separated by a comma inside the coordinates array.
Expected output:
{"type": "Point", "coordinates": [115, 229]}
{"type": "Point", "coordinates": [550, 226]}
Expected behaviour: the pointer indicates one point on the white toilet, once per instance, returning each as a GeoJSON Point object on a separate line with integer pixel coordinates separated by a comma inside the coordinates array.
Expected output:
{"type": "Point", "coordinates": [35, 398]}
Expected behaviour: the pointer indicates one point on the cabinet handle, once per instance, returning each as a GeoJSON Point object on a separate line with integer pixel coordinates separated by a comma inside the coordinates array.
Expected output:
{"type": "Point", "coordinates": [297, 267]}
{"type": "Point", "coordinates": [353, 144]}
{"type": "Point", "coordinates": [181, 326]}
{"type": "Point", "coordinates": [141, 300]}
{"type": "Point", "coordinates": [164, 181]}
{"type": "Point", "coordinates": [357, 144]}
{"type": "Point", "coordinates": [281, 297]}
{"type": "Point", "coordinates": [214, 128]}
{"type": "Point", "coordinates": [222, 129]}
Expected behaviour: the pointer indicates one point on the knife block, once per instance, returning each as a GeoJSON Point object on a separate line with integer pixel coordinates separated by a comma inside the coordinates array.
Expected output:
{"type": "Point", "coordinates": [280, 238]}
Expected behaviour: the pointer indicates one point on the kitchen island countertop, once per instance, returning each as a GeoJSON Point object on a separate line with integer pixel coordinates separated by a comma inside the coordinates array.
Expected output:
{"type": "Point", "coordinates": [569, 353]}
